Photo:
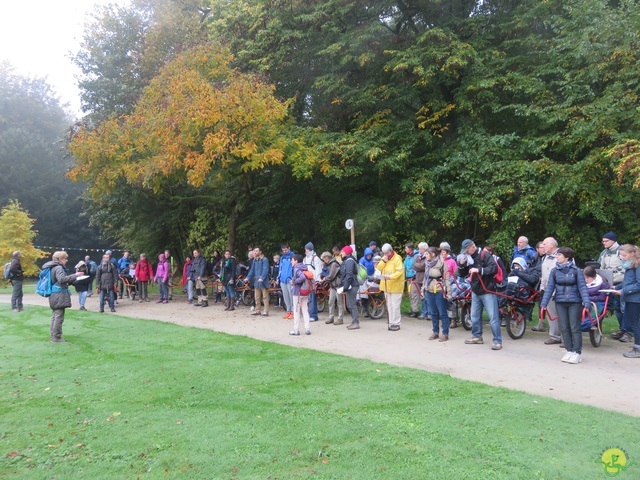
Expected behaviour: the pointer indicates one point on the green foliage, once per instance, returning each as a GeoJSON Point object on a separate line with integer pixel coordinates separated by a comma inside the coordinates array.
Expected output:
{"type": "Point", "coordinates": [17, 233]}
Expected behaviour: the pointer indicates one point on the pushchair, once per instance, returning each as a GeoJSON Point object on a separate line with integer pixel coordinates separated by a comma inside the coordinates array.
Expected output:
{"type": "Point", "coordinates": [461, 301]}
{"type": "Point", "coordinates": [592, 320]}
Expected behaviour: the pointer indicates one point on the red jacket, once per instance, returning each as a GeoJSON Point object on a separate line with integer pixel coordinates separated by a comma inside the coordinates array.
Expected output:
{"type": "Point", "coordinates": [144, 270]}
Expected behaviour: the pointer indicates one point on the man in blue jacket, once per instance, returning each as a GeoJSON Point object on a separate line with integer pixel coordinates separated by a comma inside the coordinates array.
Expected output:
{"type": "Point", "coordinates": [284, 276]}
{"type": "Point", "coordinates": [258, 277]}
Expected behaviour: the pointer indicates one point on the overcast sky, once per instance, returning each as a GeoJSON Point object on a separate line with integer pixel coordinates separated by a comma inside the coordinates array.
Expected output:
{"type": "Point", "coordinates": [36, 37]}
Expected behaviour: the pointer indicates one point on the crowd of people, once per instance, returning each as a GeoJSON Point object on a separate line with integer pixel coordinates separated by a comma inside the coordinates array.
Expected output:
{"type": "Point", "coordinates": [431, 276]}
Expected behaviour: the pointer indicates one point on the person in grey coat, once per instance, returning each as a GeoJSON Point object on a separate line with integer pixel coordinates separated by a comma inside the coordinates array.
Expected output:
{"type": "Point", "coordinates": [60, 298]}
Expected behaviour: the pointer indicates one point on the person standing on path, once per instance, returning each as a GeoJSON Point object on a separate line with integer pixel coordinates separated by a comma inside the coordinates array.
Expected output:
{"type": "Point", "coordinates": [350, 285]}
{"type": "Point", "coordinates": [630, 290]}
{"type": "Point", "coordinates": [284, 277]}
{"type": "Point", "coordinates": [259, 273]}
{"type": "Point", "coordinates": [392, 284]}
{"type": "Point", "coordinates": [107, 280]}
{"type": "Point", "coordinates": [60, 298]}
{"type": "Point", "coordinates": [199, 275]}
{"type": "Point", "coordinates": [17, 277]}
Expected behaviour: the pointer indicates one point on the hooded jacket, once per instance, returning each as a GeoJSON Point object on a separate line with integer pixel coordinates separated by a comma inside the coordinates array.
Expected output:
{"type": "Point", "coordinates": [60, 296]}
{"type": "Point", "coordinates": [368, 262]}
{"type": "Point", "coordinates": [162, 272]}
{"type": "Point", "coordinates": [393, 268]}
{"type": "Point", "coordinates": [106, 276]}
{"type": "Point", "coordinates": [144, 270]}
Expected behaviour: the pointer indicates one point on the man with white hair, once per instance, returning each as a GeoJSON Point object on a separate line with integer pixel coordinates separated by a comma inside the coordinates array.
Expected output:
{"type": "Point", "coordinates": [549, 263]}
{"type": "Point", "coordinates": [523, 250]}
{"type": "Point", "coordinates": [392, 284]}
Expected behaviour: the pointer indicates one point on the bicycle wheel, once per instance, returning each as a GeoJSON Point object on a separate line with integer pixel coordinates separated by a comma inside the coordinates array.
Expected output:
{"type": "Point", "coordinates": [321, 300]}
{"type": "Point", "coordinates": [377, 308]}
{"type": "Point", "coordinates": [516, 324]}
{"type": "Point", "coordinates": [247, 297]}
{"type": "Point", "coordinates": [464, 314]}
{"type": "Point", "coordinates": [595, 335]}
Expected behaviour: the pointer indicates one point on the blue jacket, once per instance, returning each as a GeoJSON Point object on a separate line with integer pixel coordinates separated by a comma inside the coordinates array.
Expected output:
{"type": "Point", "coordinates": [368, 262]}
{"type": "Point", "coordinates": [286, 270]}
{"type": "Point", "coordinates": [409, 272]}
{"type": "Point", "coordinates": [630, 286]}
{"type": "Point", "coordinates": [569, 285]}
{"type": "Point", "coordinates": [527, 253]}
{"type": "Point", "coordinates": [259, 271]}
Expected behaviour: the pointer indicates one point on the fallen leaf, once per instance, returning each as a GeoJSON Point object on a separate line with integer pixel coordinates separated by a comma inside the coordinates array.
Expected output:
{"type": "Point", "coordinates": [13, 454]}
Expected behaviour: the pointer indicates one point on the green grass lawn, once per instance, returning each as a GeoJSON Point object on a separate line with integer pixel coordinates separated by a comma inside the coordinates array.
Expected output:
{"type": "Point", "coordinates": [130, 398]}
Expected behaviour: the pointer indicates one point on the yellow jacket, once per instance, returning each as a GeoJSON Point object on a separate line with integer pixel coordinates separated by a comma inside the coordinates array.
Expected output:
{"type": "Point", "coordinates": [394, 269]}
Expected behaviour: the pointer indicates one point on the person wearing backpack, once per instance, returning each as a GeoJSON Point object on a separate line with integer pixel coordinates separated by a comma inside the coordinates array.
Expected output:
{"type": "Point", "coordinates": [481, 270]}
{"type": "Point", "coordinates": [92, 267]}
{"type": "Point", "coordinates": [16, 277]}
{"type": "Point", "coordinates": [350, 285]}
{"type": "Point", "coordinates": [335, 281]}
{"type": "Point", "coordinates": [301, 291]}
{"type": "Point", "coordinates": [258, 278]}
{"type": "Point", "coordinates": [313, 263]}
{"type": "Point", "coordinates": [60, 298]}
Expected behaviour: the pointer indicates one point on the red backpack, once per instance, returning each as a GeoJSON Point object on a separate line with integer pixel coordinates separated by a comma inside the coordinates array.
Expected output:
{"type": "Point", "coordinates": [309, 283]}
{"type": "Point", "coordinates": [499, 275]}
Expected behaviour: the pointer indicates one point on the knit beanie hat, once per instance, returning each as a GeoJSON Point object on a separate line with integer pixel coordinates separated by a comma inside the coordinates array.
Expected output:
{"type": "Point", "coordinates": [610, 236]}
{"type": "Point", "coordinates": [308, 246]}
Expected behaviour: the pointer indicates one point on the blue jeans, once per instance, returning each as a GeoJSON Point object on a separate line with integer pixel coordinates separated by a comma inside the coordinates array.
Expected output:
{"type": "Point", "coordinates": [16, 294]}
{"type": "Point", "coordinates": [490, 302]}
{"type": "Point", "coordinates": [632, 320]}
{"type": "Point", "coordinates": [82, 297]}
{"type": "Point", "coordinates": [163, 290]}
{"type": "Point", "coordinates": [112, 298]}
{"type": "Point", "coordinates": [438, 309]}
{"type": "Point", "coordinates": [313, 306]}
{"type": "Point", "coordinates": [229, 290]}
{"type": "Point", "coordinates": [189, 289]}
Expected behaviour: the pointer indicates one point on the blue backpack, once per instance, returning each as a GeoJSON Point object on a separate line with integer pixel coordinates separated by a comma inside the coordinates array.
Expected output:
{"type": "Point", "coordinates": [44, 285]}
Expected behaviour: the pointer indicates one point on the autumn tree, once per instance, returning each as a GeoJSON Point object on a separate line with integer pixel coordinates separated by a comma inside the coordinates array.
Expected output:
{"type": "Point", "coordinates": [200, 134]}
{"type": "Point", "coordinates": [17, 233]}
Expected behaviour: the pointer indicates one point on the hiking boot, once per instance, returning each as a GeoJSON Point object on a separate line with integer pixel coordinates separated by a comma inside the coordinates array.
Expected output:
{"type": "Point", "coordinates": [113, 310]}
{"type": "Point", "coordinates": [633, 353]}
{"type": "Point", "coordinates": [256, 313]}
{"type": "Point", "coordinates": [455, 324]}
{"type": "Point", "coordinates": [232, 307]}
{"type": "Point", "coordinates": [58, 340]}
{"type": "Point", "coordinates": [338, 322]}
{"type": "Point", "coordinates": [197, 304]}
{"type": "Point", "coordinates": [294, 332]}
{"type": "Point", "coordinates": [101, 311]}
{"type": "Point", "coordinates": [353, 326]}
{"type": "Point", "coordinates": [496, 346]}
{"type": "Point", "coordinates": [394, 327]}
{"type": "Point", "coordinates": [552, 341]}
{"type": "Point", "coordinates": [539, 328]}
{"type": "Point", "coordinates": [205, 303]}
{"type": "Point", "coordinates": [434, 336]}
{"type": "Point", "coordinates": [329, 321]}
{"type": "Point", "coordinates": [443, 338]}
{"type": "Point", "coordinates": [422, 317]}
{"type": "Point", "coordinates": [617, 335]}
{"type": "Point", "coordinates": [626, 338]}
{"type": "Point", "coordinates": [413, 314]}
{"type": "Point", "coordinates": [307, 332]}
{"type": "Point", "coordinates": [83, 309]}
{"type": "Point", "coordinates": [474, 341]}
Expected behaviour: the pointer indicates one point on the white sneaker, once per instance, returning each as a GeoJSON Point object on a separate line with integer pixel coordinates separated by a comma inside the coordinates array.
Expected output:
{"type": "Point", "coordinates": [575, 358]}
{"type": "Point", "coordinates": [567, 356]}
{"type": "Point", "coordinates": [252, 309]}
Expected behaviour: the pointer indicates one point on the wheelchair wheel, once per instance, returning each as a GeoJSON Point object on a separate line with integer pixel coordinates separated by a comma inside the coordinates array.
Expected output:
{"type": "Point", "coordinates": [595, 335]}
{"type": "Point", "coordinates": [377, 311]}
{"type": "Point", "coordinates": [247, 297]}
{"type": "Point", "coordinates": [464, 314]}
{"type": "Point", "coordinates": [321, 300]}
{"type": "Point", "coordinates": [516, 324]}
